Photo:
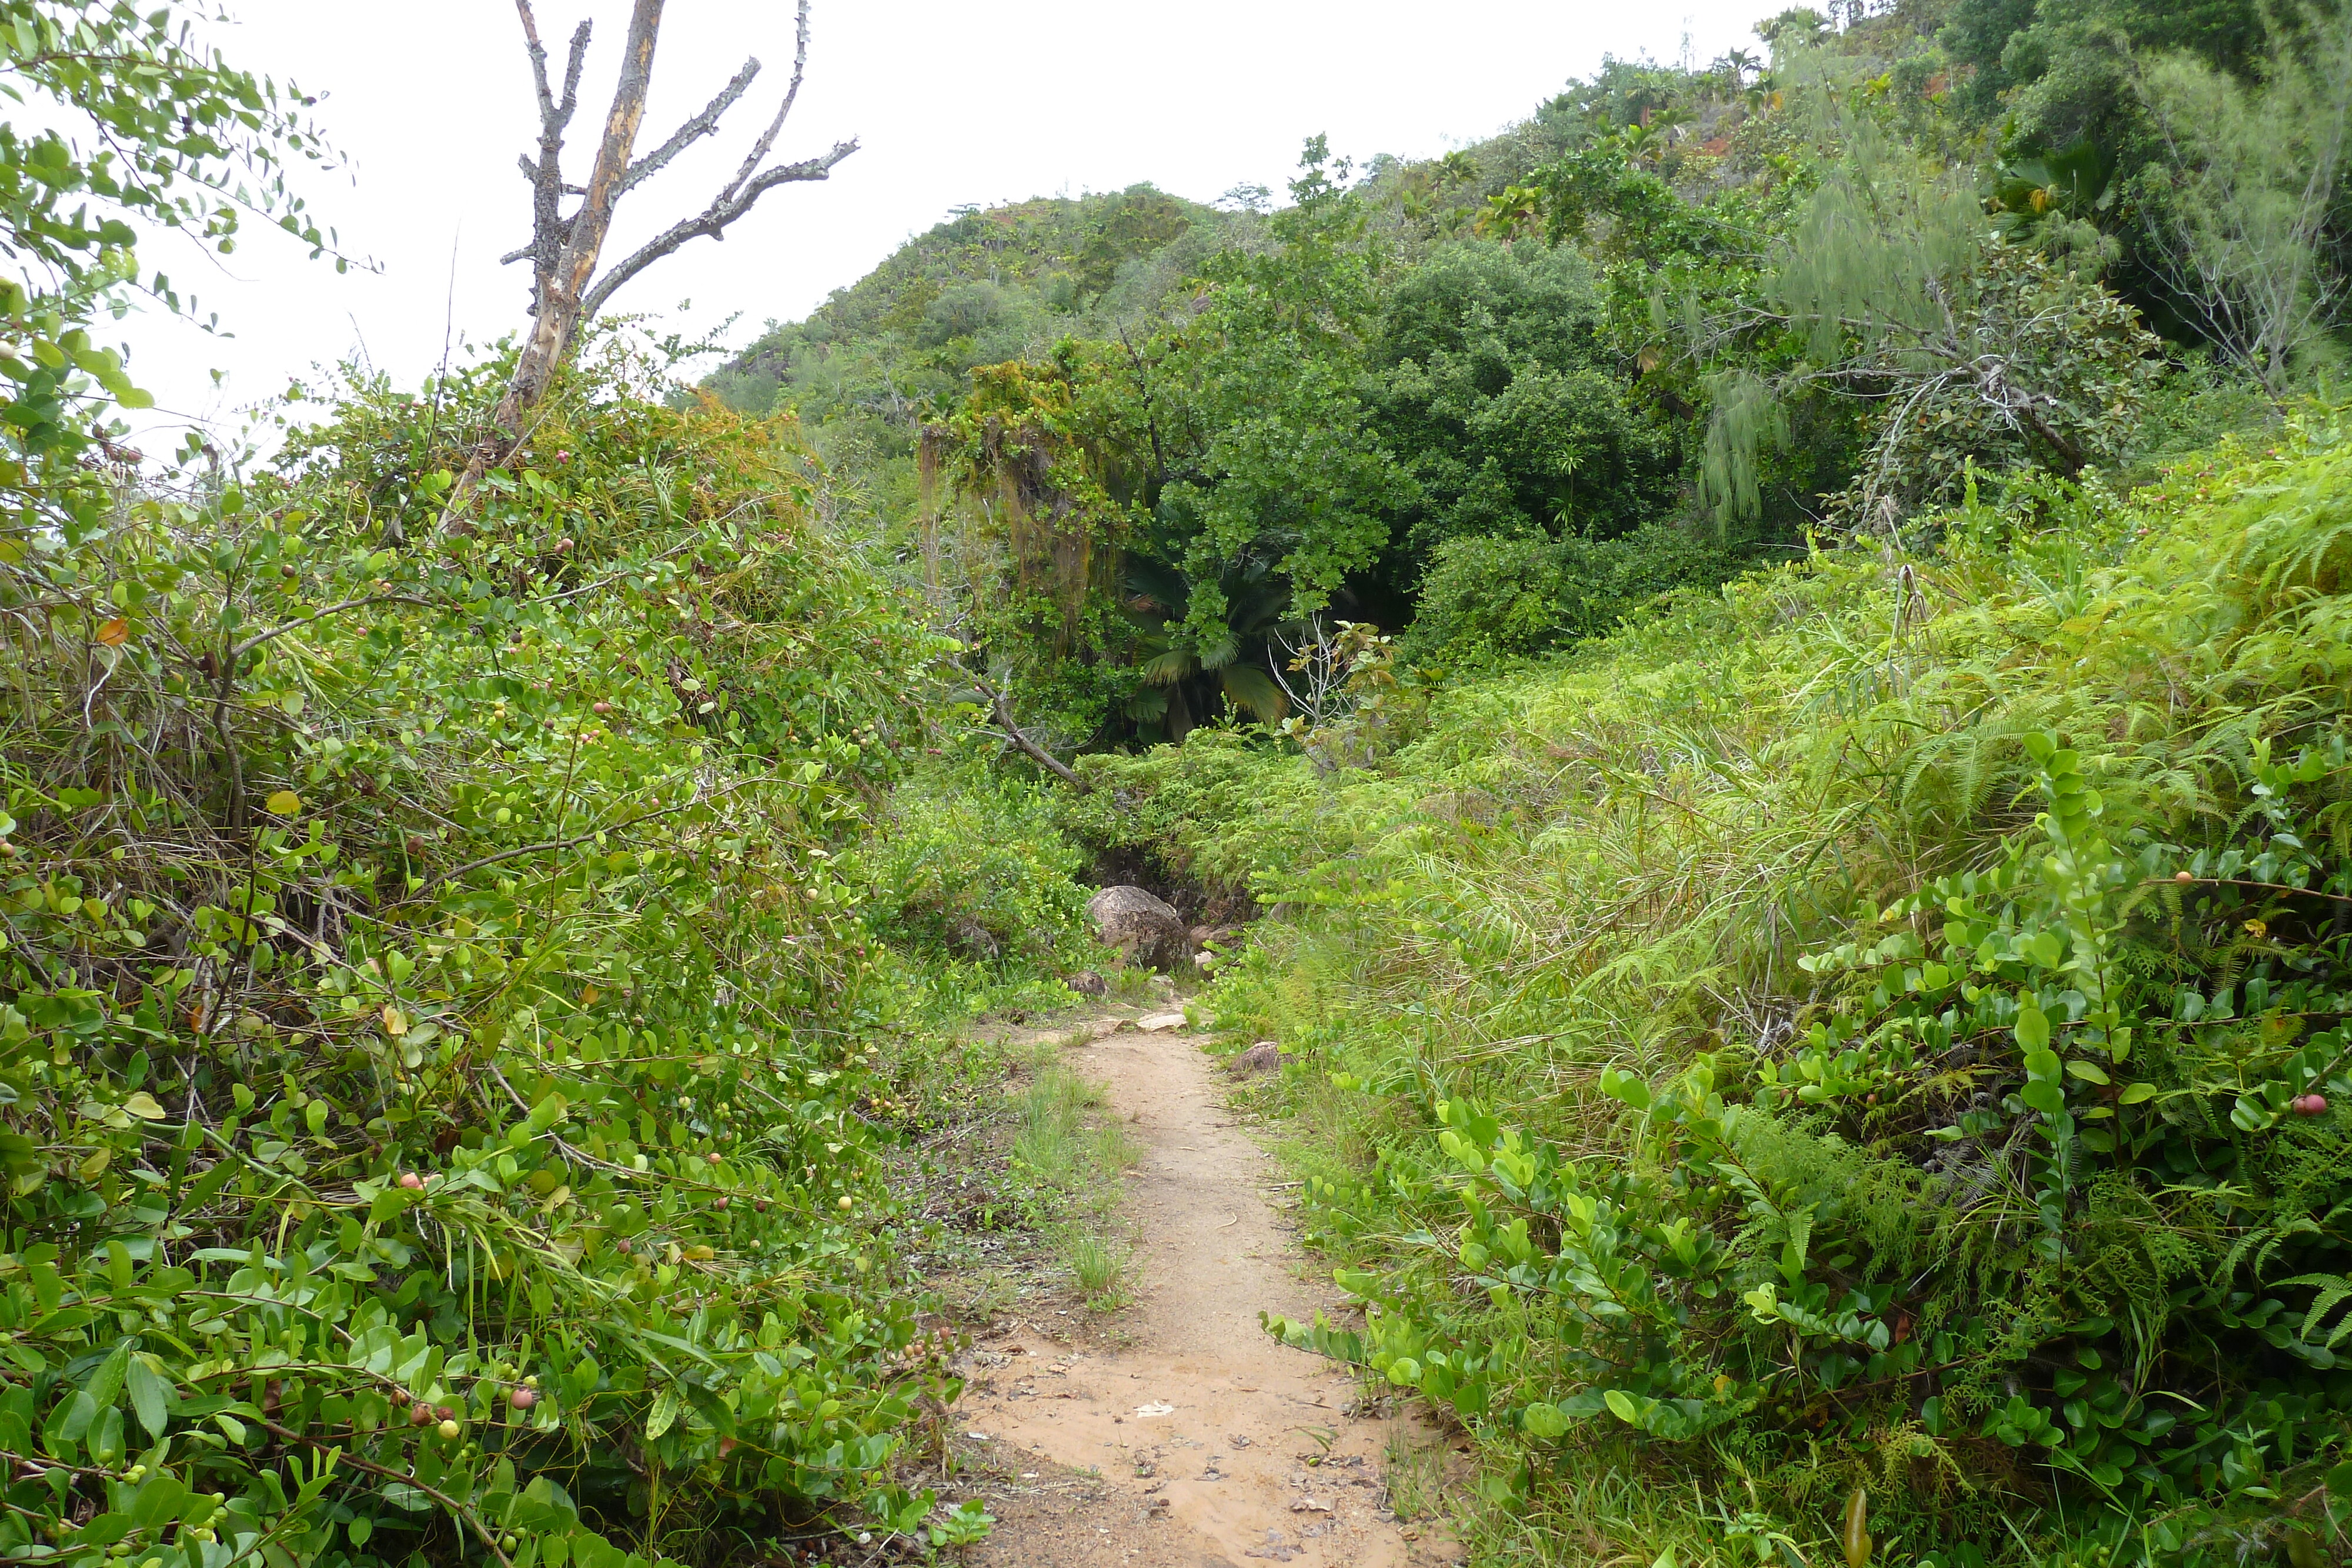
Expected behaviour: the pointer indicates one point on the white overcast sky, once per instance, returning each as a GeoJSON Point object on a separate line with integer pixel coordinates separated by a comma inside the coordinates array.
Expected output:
{"type": "Point", "coordinates": [952, 102]}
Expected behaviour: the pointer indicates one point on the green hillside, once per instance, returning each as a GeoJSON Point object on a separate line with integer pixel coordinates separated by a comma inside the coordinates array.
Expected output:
{"type": "Point", "coordinates": [1672, 324]}
{"type": "Point", "coordinates": [983, 287]}
{"type": "Point", "coordinates": [1872, 1038]}
{"type": "Point", "coordinates": [867, 368]}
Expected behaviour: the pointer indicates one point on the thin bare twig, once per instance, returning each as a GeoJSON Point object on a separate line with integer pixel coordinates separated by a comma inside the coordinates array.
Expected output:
{"type": "Point", "coordinates": [258, 638]}
{"type": "Point", "coordinates": [712, 222]}
{"type": "Point", "coordinates": [437, 878]}
{"type": "Point", "coordinates": [703, 124]}
{"type": "Point", "coordinates": [336, 1455]}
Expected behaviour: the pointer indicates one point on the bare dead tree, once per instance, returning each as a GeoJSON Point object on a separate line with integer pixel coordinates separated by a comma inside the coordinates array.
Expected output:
{"type": "Point", "coordinates": [565, 248]}
{"type": "Point", "coordinates": [1322, 663]}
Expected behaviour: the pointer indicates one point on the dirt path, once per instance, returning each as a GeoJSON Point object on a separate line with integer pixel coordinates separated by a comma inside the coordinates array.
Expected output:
{"type": "Point", "coordinates": [1211, 1444]}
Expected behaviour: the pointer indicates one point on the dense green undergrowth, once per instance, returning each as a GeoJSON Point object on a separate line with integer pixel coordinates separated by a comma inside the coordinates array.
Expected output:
{"type": "Point", "coordinates": [461, 972]}
{"type": "Point", "coordinates": [1859, 1055]}
{"type": "Point", "coordinates": [1851, 1064]}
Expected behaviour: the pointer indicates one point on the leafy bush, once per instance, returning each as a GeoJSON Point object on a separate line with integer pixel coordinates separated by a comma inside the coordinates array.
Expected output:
{"type": "Point", "coordinates": [1488, 594]}
{"type": "Point", "coordinates": [2046, 369]}
{"type": "Point", "coordinates": [434, 1091]}
{"type": "Point", "coordinates": [1215, 811]}
{"type": "Point", "coordinates": [974, 867]}
{"type": "Point", "coordinates": [1522, 595]}
{"type": "Point", "coordinates": [1500, 390]}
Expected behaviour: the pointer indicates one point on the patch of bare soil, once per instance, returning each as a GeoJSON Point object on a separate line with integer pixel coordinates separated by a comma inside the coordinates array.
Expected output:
{"type": "Point", "coordinates": [1183, 1434]}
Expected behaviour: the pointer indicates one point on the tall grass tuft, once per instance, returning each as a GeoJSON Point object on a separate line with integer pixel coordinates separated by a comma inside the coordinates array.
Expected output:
{"type": "Point", "coordinates": [1071, 1151]}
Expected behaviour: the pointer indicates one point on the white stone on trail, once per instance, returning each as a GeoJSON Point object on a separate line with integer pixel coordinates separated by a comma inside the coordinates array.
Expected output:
{"type": "Point", "coordinates": [1155, 1408]}
{"type": "Point", "coordinates": [1154, 1023]}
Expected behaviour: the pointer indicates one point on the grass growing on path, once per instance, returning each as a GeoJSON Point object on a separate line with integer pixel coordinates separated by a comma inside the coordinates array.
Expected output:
{"type": "Point", "coordinates": [1071, 1155]}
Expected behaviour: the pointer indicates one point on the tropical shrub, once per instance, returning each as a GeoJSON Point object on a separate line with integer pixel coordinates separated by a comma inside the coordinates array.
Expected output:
{"type": "Point", "coordinates": [436, 1079]}
{"type": "Point", "coordinates": [1491, 595]}
{"type": "Point", "coordinates": [1500, 392]}
{"type": "Point", "coordinates": [972, 866]}
{"type": "Point", "coordinates": [1486, 598]}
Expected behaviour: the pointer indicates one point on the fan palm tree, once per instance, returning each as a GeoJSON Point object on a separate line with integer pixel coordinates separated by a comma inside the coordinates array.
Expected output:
{"type": "Point", "coordinates": [1185, 672]}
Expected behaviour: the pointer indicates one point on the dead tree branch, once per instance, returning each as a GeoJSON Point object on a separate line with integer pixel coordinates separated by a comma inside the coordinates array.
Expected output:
{"type": "Point", "coordinates": [693, 131]}
{"type": "Point", "coordinates": [1002, 702]}
{"type": "Point", "coordinates": [714, 221]}
{"type": "Point", "coordinates": [546, 176]}
{"type": "Point", "coordinates": [565, 250]}
{"type": "Point", "coordinates": [740, 193]}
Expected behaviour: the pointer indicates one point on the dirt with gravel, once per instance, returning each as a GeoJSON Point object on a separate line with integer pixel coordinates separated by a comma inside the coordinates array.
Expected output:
{"type": "Point", "coordinates": [1180, 1433]}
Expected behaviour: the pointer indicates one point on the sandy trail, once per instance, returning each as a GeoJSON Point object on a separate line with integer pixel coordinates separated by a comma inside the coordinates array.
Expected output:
{"type": "Point", "coordinates": [1201, 1427]}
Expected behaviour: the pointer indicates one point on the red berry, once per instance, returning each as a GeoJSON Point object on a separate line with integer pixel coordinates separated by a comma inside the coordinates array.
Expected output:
{"type": "Point", "coordinates": [2309, 1104]}
{"type": "Point", "coordinates": [2183, 877]}
{"type": "Point", "coordinates": [411, 1181]}
{"type": "Point", "coordinates": [522, 1398]}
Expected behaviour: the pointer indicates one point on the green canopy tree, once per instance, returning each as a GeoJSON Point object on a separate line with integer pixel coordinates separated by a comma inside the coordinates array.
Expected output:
{"type": "Point", "coordinates": [1500, 390]}
{"type": "Point", "coordinates": [1175, 503]}
{"type": "Point", "coordinates": [1963, 352]}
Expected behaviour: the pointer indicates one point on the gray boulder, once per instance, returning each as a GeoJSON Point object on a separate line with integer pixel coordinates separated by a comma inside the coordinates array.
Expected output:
{"type": "Point", "coordinates": [1147, 932]}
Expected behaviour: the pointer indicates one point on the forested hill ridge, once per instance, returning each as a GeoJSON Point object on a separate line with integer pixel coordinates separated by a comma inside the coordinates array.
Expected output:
{"type": "Point", "coordinates": [988, 285]}
{"type": "Point", "coordinates": [1674, 323]}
